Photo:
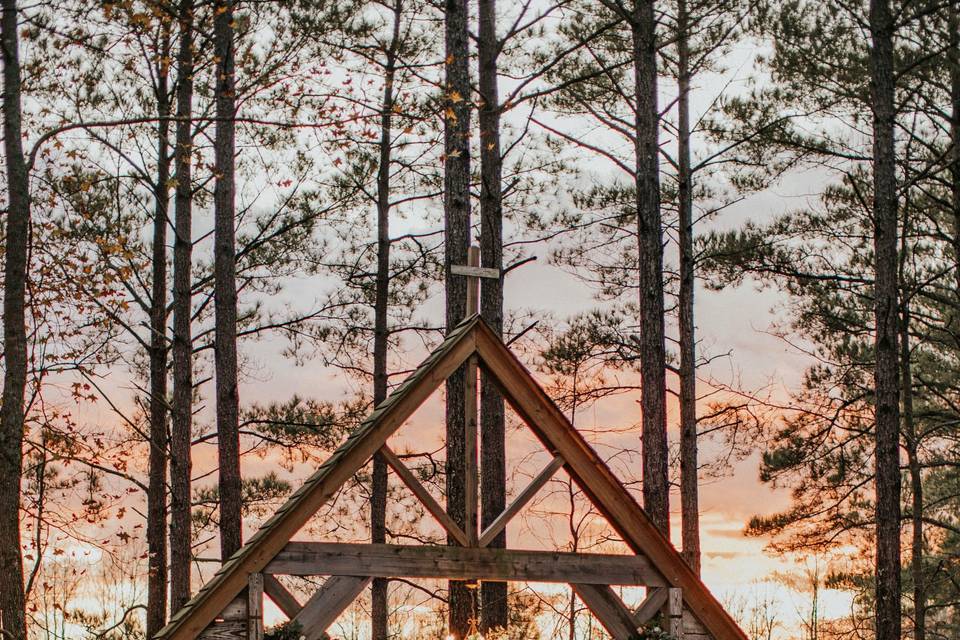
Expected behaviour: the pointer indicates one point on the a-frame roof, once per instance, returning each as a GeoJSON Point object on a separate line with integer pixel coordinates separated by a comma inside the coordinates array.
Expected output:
{"type": "Point", "coordinates": [533, 405]}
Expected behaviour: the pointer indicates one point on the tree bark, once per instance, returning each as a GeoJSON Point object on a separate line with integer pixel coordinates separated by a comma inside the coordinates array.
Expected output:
{"type": "Point", "coordinates": [689, 459]}
{"type": "Point", "coordinates": [12, 606]}
{"type": "Point", "coordinates": [953, 60]}
{"type": "Point", "coordinates": [157, 474]}
{"type": "Point", "coordinates": [493, 477]}
{"type": "Point", "coordinates": [656, 488]}
{"type": "Point", "coordinates": [225, 287]}
{"type": "Point", "coordinates": [456, 211]}
{"type": "Point", "coordinates": [182, 350]}
{"type": "Point", "coordinates": [379, 608]}
{"type": "Point", "coordinates": [916, 481]}
{"type": "Point", "coordinates": [886, 374]}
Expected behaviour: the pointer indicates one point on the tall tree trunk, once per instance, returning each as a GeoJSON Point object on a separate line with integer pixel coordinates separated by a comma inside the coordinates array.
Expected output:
{"type": "Point", "coordinates": [225, 287]}
{"type": "Point", "coordinates": [656, 488]}
{"type": "Point", "coordinates": [456, 210]}
{"type": "Point", "coordinates": [953, 60]}
{"type": "Point", "coordinates": [689, 463]}
{"type": "Point", "coordinates": [182, 406]}
{"type": "Point", "coordinates": [157, 475]}
{"type": "Point", "coordinates": [916, 481]}
{"type": "Point", "coordinates": [12, 611]}
{"type": "Point", "coordinates": [886, 375]}
{"type": "Point", "coordinates": [379, 606]}
{"type": "Point", "coordinates": [493, 478]}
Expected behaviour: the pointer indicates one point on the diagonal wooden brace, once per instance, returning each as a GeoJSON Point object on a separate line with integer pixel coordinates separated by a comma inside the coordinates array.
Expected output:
{"type": "Point", "coordinates": [520, 501]}
{"type": "Point", "coordinates": [608, 609]}
{"type": "Point", "coordinates": [284, 600]}
{"type": "Point", "coordinates": [651, 605]}
{"type": "Point", "coordinates": [326, 605]}
{"type": "Point", "coordinates": [423, 495]}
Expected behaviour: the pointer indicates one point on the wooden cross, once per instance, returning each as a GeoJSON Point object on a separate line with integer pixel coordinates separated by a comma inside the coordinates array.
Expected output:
{"type": "Point", "coordinates": [473, 272]}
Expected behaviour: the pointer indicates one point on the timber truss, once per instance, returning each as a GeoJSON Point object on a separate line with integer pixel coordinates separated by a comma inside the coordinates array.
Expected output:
{"type": "Point", "coordinates": [230, 605]}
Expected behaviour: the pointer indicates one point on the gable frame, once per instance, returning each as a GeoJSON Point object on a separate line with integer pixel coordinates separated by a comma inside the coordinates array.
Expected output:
{"type": "Point", "coordinates": [595, 478]}
{"type": "Point", "coordinates": [349, 458]}
{"type": "Point", "coordinates": [537, 410]}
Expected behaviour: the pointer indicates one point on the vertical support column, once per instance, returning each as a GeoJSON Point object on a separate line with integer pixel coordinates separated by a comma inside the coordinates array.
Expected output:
{"type": "Point", "coordinates": [471, 485]}
{"type": "Point", "coordinates": [675, 613]}
{"type": "Point", "coordinates": [255, 607]}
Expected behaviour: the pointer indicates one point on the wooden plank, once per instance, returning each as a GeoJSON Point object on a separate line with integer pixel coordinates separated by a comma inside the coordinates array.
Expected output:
{"type": "Point", "coordinates": [651, 605]}
{"type": "Point", "coordinates": [474, 272]}
{"type": "Point", "coordinates": [608, 609]}
{"type": "Point", "coordinates": [593, 476]}
{"type": "Point", "coordinates": [471, 480]}
{"type": "Point", "coordinates": [255, 606]}
{"type": "Point", "coordinates": [520, 501]}
{"type": "Point", "coordinates": [285, 601]}
{"type": "Point", "coordinates": [326, 605]}
{"type": "Point", "coordinates": [427, 500]}
{"type": "Point", "coordinates": [225, 630]}
{"type": "Point", "coordinates": [460, 563]}
{"type": "Point", "coordinates": [321, 486]}
{"type": "Point", "coordinates": [675, 613]}
{"type": "Point", "coordinates": [236, 610]}
{"type": "Point", "coordinates": [693, 628]}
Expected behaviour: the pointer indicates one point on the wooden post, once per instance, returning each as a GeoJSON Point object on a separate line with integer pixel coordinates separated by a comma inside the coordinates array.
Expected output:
{"type": "Point", "coordinates": [255, 607]}
{"type": "Point", "coordinates": [675, 613]}
{"type": "Point", "coordinates": [473, 281]}
{"type": "Point", "coordinates": [472, 484]}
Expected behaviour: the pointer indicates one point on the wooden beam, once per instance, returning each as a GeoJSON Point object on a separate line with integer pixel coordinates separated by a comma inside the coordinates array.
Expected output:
{"type": "Point", "coordinates": [475, 272]}
{"type": "Point", "coordinates": [285, 601]}
{"type": "Point", "coordinates": [255, 607]}
{"type": "Point", "coordinates": [608, 609]}
{"type": "Point", "coordinates": [520, 501]}
{"type": "Point", "coordinates": [460, 563]}
{"type": "Point", "coordinates": [326, 605]}
{"type": "Point", "coordinates": [471, 473]}
{"type": "Point", "coordinates": [594, 477]}
{"type": "Point", "coordinates": [224, 630]}
{"type": "Point", "coordinates": [236, 611]}
{"type": "Point", "coordinates": [431, 505]}
{"type": "Point", "coordinates": [651, 605]}
{"type": "Point", "coordinates": [323, 485]}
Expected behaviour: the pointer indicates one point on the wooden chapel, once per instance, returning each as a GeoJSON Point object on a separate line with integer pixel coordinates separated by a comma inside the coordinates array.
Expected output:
{"type": "Point", "coordinates": [230, 605]}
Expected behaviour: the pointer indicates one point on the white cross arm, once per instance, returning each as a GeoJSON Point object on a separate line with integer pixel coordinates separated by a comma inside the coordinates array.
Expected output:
{"type": "Point", "coordinates": [474, 272]}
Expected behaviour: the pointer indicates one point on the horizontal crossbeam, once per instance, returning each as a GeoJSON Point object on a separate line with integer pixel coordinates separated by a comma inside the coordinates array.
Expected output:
{"type": "Point", "coordinates": [461, 563]}
{"type": "Point", "coordinates": [474, 272]}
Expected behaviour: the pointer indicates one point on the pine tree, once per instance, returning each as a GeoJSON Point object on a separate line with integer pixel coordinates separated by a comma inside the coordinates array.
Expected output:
{"type": "Point", "coordinates": [159, 348]}
{"type": "Point", "coordinates": [181, 409]}
{"type": "Point", "coordinates": [456, 208]}
{"type": "Point", "coordinates": [225, 271]}
{"type": "Point", "coordinates": [16, 235]}
{"type": "Point", "coordinates": [887, 370]}
{"type": "Point", "coordinates": [493, 492]}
